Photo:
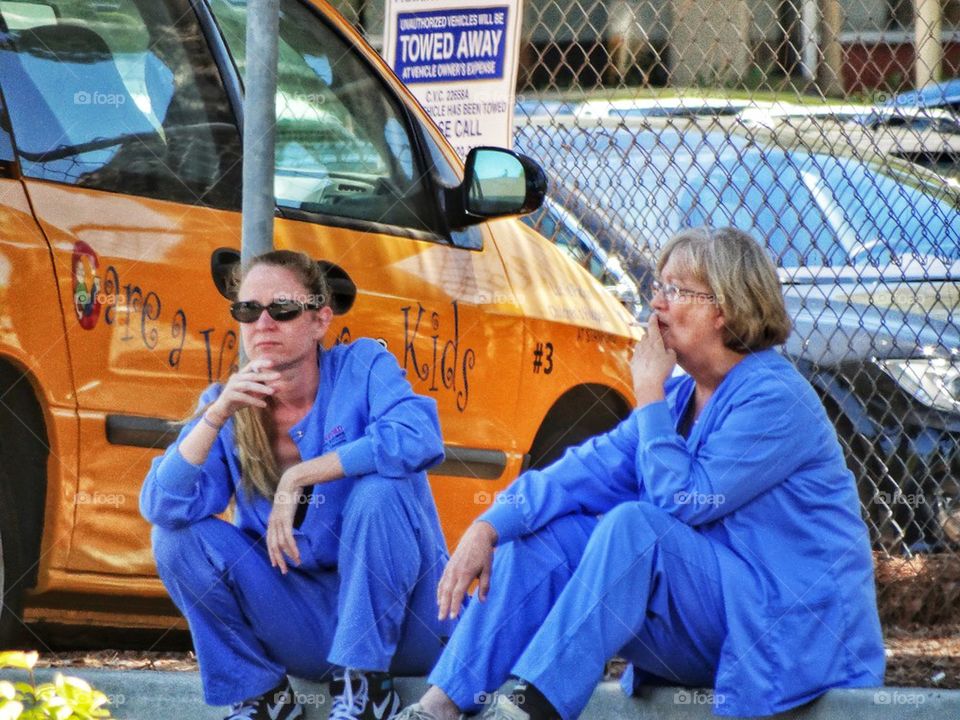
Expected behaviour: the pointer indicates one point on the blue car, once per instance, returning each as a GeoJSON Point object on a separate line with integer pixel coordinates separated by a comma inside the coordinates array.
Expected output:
{"type": "Point", "coordinates": [868, 251]}
{"type": "Point", "coordinates": [939, 95]}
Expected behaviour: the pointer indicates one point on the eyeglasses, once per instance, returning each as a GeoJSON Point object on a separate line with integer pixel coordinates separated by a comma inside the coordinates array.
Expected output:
{"type": "Point", "coordinates": [248, 311]}
{"type": "Point", "coordinates": [675, 293]}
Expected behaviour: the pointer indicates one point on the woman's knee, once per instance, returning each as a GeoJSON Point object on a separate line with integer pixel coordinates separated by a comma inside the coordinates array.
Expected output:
{"type": "Point", "coordinates": [378, 502]}
{"type": "Point", "coordinates": [635, 523]}
{"type": "Point", "coordinates": [185, 546]}
{"type": "Point", "coordinates": [558, 544]}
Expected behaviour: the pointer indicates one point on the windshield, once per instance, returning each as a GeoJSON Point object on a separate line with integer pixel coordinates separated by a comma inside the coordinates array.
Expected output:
{"type": "Point", "coordinates": [811, 209]}
{"type": "Point", "coordinates": [820, 210]}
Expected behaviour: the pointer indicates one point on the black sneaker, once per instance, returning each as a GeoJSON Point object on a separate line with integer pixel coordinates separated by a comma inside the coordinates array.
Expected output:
{"type": "Point", "coordinates": [519, 700]}
{"type": "Point", "coordinates": [277, 704]}
{"type": "Point", "coordinates": [363, 696]}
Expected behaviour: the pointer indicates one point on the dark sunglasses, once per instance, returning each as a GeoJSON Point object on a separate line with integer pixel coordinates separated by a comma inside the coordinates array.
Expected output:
{"type": "Point", "coordinates": [248, 311]}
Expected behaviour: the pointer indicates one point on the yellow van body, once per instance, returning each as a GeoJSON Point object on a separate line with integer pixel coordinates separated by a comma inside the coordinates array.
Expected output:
{"type": "Point", "coordinates": [111, 326]}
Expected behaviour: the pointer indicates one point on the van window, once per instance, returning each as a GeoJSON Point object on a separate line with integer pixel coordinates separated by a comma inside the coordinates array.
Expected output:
{"type": "Point", "coordinates": [343, 148]}
{"type": "Point", "coordinates": [120, 96]}
{"type": "Point", "coordinates": [6, 144]}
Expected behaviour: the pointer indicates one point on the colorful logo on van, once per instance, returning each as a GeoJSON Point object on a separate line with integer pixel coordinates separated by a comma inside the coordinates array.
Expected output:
{"type": "Point", "coordinates": [86, 285]}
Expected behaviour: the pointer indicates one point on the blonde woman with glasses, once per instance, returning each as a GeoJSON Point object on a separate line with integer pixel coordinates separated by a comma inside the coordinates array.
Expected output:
{"type": "Point", "coordinates": [713, 539]}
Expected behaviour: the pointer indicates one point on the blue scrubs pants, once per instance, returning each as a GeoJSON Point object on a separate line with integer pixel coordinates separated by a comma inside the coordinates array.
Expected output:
{"type": "Point", "coordinates": [251, 625]}
{"type": "Point", "coordinates": [564, 600]}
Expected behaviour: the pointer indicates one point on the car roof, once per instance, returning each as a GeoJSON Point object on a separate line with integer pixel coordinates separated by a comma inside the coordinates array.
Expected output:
{"type": "Point", "coordinates": [772, 114]}
{"type": "Point", "coordinates": [940, 94]}
{"type": "Point", "coordinates": [660, 107]}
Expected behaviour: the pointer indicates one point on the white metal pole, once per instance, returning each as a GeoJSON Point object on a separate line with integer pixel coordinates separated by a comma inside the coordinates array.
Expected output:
{"type": "Point", "coordinates": [259, 127]}
{"type": "Point", "coordinates": [810, 38]}
{"type": "Point", "coordinates": [928, 23]}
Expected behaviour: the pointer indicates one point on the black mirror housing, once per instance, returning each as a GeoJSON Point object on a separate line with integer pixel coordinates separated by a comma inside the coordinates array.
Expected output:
{"type": "Point", "coordinates": [496, 183]}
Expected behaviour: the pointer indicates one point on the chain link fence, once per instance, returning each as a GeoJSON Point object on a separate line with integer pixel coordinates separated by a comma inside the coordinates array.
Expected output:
{"type": "Point", "coordinates": [793, 119]}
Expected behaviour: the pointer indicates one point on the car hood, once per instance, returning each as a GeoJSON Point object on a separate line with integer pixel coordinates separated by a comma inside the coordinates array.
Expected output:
{"type": "Point", "coordinates": [839, 319]}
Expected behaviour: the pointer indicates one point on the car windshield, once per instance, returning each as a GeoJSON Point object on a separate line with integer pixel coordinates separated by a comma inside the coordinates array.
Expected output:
{"type": "Point", "coordinates": [817, 210]}
{"type": "Point", "coordinates": [813, 210]}
{"type": "Point", "coordinates": [820, 210]}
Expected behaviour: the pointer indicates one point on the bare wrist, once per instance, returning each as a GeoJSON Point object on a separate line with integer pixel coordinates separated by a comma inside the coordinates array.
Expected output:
{"type": "Point", "coordinates": [213, 419]}
{"type": "Point", "coordinates": [647, 397]}
{"type": "Point", "coordinates": [488, 530]}
{"type": "Point", "coordinates": [293, 478]}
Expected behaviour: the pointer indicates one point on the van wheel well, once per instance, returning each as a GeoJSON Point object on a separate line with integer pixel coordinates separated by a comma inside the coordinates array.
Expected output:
{"type": "Point", "coordinates": [24, 449]}
{"type": "Point", "coordinates": [579, 414]}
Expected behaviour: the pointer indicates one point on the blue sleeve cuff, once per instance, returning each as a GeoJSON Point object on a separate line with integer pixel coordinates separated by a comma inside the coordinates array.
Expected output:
{"type": "Point", "coordinates": [507, 519]}
{"type": "Point", "coordinates": [176, 475]}
{"type": "Point", "coordinates": [357, 457]}
{"type": "Point", "coordinates": [654, 420]}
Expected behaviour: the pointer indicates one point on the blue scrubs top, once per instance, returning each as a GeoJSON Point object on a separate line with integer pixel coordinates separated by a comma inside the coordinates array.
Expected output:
{"type": "Point", "coordinates": [365, 410]}
{"type": "Point", "coordinates": [762, 474]}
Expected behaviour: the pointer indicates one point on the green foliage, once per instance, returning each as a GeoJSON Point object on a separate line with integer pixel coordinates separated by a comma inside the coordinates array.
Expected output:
{"type": "Point", "coordinates": [66, 698]}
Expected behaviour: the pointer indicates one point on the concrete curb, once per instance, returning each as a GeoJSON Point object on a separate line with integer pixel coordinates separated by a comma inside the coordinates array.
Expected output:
{"type": "Point", "coordinates": [154, 695]}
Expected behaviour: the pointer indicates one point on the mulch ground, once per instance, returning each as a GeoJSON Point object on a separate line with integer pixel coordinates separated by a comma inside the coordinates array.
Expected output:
{"type": "Point", "coordinates": [918, 599]}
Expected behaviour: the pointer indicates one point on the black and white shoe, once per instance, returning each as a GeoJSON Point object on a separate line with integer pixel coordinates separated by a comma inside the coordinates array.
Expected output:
{"type": "Point", "coordinates": [519, 700]}
{"type": "Point", "coordinates": [277, 704]}
{"type": "Point", "coordinates": [363, 696]}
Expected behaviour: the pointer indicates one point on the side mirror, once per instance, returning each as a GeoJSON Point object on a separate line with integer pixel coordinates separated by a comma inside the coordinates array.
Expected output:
{"type": "Point", "coordinates": [496, 183]}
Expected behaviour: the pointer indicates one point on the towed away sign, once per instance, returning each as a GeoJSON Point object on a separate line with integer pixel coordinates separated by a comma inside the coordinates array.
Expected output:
{"type": "Point", "coordinates": [459, 58]}
{"type": "Point", "coordinates": [451, 45]}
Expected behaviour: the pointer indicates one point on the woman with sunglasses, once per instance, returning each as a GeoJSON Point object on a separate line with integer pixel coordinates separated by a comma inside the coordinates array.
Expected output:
{"type": "Point", "coordinates": [333, 560]}
{"type": "Point", "coordinates": [713, 539]}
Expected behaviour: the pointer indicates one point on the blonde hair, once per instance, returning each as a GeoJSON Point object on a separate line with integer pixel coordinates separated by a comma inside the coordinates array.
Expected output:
{"type": "Point", "coordinates": [743, 279]}
{"type": "Point", "coordinates": [252, 429]}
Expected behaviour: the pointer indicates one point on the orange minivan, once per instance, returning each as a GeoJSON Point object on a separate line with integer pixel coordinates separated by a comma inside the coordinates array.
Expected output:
{"type": "Point", "coordinates": [120, 167]}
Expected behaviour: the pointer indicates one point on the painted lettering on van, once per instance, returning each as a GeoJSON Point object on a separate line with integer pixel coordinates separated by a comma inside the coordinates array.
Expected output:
{"type": "Point", "coordinates": [227, 345]}
{"type": "Point", "coordinates": [138, 312]}
{"type": "Point", "coordinates": [132, 300]}
{"type": "Point", "coordinates": [446, 358]}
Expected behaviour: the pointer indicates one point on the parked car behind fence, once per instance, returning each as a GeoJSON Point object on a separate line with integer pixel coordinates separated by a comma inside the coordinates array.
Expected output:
{"type": "Point", "coordinates": [868, 248]}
